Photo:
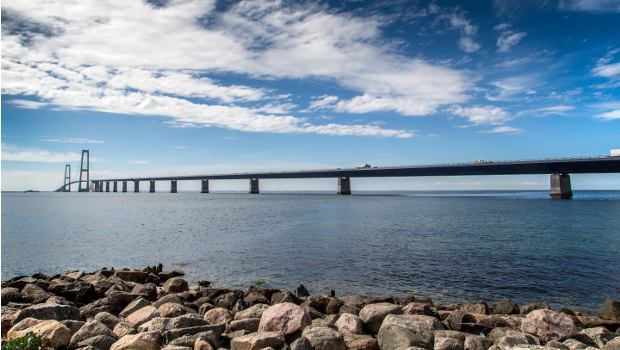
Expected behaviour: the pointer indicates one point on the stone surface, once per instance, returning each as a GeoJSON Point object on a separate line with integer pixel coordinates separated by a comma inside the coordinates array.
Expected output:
{"type": "Point", "coordinates": [480, 307]}
{"type": "Point", "coordinates": [101, 342]}
{"type": "Point", "coordinates": [257, 341]}
{"type": "Point", "coordinates": [91, 329]}
{"type": "Point", "coordinates": [107, 319]}
{"type": "Point", "coordinates": [141, 341]}
{"type": "Point", "coordinates": [549, 325]}
{"type": "Point", "coordinates": [49, 312]}
{"type": "Point", "coordinates": [399, 332]}
{"type": "Point", "coordinates": [361, 342]}
{"type": "Point", "coordinates": [202, 344]}
{"type": "Point", "coordinates": [613, 344]}
{"type": "Point", "coordinates": [175, 285]}
{"type": "Point", "coordinates": [10, 294]}
{"type": "Point", "coordinates": [477, 342]}
{"type": "Point", "coordinates": [599, 335]}
{"type": "Point", "coordinates": [284, 319]}
{"type": "Point", "coordinates": [218, 315]}
{"type": "Point", "coordinates": [415, 308]}
{"type": "Point", "coordinates": [373, 314]}
{"type": "Point", "coordinates": [431, 321]}
{"type": "Point", "coordinates": [349, 324]}
{"type": "Point", "coordinates": [506, 307]}
{"type": "Point", "coordinates": [31, 293]}
{"type": "Point", "coordinates": [324, 338]}
{"type": "Point", "coordinates": [133, 306]}
{"type": "Point", "coordinates": [123, 328]}
{"type": "Point", "coordinates": [248, 324]}
{"type": "Point", "coordinates": [57, 335]}
{"type": "Point", "coordinates": [527, 308]}
{"type": "Point", "coordinates": [610, 310]}
{"type": "Point", "coordinates": [174, 310]}
{"type": "Point", "coordinates": [443, 343]}
{"type": "Point", "coordinates": [255, 311]}
{"type": "Point", "coordinates": [301, 343]}
{"type": "Point", "coordinates": [143, 315]}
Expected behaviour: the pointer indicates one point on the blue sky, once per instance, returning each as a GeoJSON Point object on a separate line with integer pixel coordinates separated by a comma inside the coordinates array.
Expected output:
{"type": "Point", "coordinates": [192, 87]}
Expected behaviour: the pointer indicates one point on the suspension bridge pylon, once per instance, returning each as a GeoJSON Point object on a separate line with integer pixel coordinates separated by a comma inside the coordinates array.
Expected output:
{"type": "Point", "coordinates": [67, 185]}
{"type": "Point", "coordinates": [84, 168]}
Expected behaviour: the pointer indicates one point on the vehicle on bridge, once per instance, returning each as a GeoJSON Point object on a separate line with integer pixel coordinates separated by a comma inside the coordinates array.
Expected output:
{"type": "Point", "coordinates": [614, 152]}
{"type": "Point", "coordinates": [363, 166]}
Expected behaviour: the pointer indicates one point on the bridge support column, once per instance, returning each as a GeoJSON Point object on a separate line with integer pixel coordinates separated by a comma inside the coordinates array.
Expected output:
{"type": "Point", "coordinates": [96, 184]}
{"type": "Point", "coordinates": [100, 186]}
{"type": "Point", "coordinates": [560, 186]}
{"type": "Point", "coordinates": [205, 186]}
{"type": "Point", "coordinates": [254, 185]}
{"type": "Point", "coordinates": [136, 186]}
{"type": "Point", "coordinates": [151, 186]}
{"type": "Point", "coordinates": [173, 186]}
{"type": "Point", "coordinates": [344, 185]}
{"type": "Point", "coordinates": [115, 189]}
{"type": "Point", "coordinates": [124, 186]}
{"type": "Point", "coordinates": [107, 186]}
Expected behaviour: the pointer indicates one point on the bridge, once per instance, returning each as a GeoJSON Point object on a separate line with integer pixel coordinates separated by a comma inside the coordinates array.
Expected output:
{"type": "Point", "coordinates": [559, 170]}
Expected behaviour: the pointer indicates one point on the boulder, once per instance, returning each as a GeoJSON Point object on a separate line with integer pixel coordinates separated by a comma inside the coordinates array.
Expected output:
{"type": "Point", "coordinates": [610, 310]}
{"type": "Point", "coordinates": [361, 342]}
{"type": "Point", "coordinates": [349, 324]}
{"type": "Point", "coordinates": [301, 291]}
{"type": "Point", "coordinates": [301, 343]}
{"type": "Point", "coordinates": [170, 298]}
{"type": "Point", "coordinates": [133, 306]}
{"type": "Point", "coordinates": [140, 341]}
{"type": "Point", "coordinates": [91, 329]}
{"type": "Point", "coordinates": [100, 342]}
{"type": "Point", "coordinates": [506, 307]}
{"type": "Point", "coordinates": [255, 311]}
{"type": "Point", "coordinates": [324, 338]}
{"type": "Point", "coordinates": [34, 294]}
{"type": "Point", "coordinates": [132, 276]}
{"type": "Point", "coordinates": [148, 289]}
{"type": "Point", "coordinates": [56, 334]}
{"type": "Point", "coordinates": [613, 344]}
{"type": "Point", "coordinates": [143, 315]}
{"type": "Point", "coordinates": [248, 324]}
{"type": "Point", "coordinates": [373, 314]}
{"type": "Point", "coordinates": [123, 328]}
{"type": "Point", "coordinates": [73, 325]}
{"type": "Point", "coordinates": [190, 339]}
{"type": "Point", "coordinates": [202, 344]}
{"type": "Point", "coordinates": [97, 306]}
{"type": "Point", "coordinates": [539, 305]}
{"type": "Point", "coordinates": [477, 342]}
{"type": "Point", "coordinates": [333, 306]}
{"type": "Point", "coordinates": [284, 319]}
{"type": "Point", "coordinates": [599, 335]}
{"type": "Point", "coordinates": [209, 332]}
{"type": "Point", "coordinates": [415, 308]}
{"type": "Point", "coordinates": [175, 285]}
{"type": "Point", "coordinates": [107, 319]}
{"type": "Point", "coordinates": [431, 321]}
{"type": "Point", "coordinates": [479, 307]}
{"type": "Point", "coordinates": [556, 345]}
{"type": "Point", "coordinates": [174, 310]}
{"type": "Point", "coordinates": [185, 321]}
{"type": "Point", "coordinates": [443, 343]}
{"type": "Point", "coordinates": [549, 325]}
{"type": "Point", "coordinates": [10, 295]}
{"type": "Point", "coordinates": [218, 315]}
{"type": "Point", "coordinates": [254, 298]}
{"type": "Point", "coordinates": [399, 332]}
{"type": "Point", "coordinates": [257, 341]}
{"type": "Point", "coordinates": [462, 321]}
{"type": "Point", "coordinates": [49, 312]}
{"type": "Point", "coordinates": [78, 291]}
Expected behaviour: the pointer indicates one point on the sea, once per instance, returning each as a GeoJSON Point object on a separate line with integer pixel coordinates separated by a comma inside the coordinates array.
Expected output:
{"type": "Point", "coordinates": [455, 247]}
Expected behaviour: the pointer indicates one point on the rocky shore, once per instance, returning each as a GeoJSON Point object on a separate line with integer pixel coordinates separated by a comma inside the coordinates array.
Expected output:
{"type": "Point", "coordinates": [154, 309]}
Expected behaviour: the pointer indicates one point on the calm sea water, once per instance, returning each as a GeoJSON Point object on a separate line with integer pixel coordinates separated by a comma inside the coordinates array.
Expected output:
{"type": "Point", "coordinates": [455, 247]}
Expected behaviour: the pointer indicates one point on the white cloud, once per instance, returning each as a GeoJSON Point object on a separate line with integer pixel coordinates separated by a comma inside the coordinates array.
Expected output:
{"type": "Point", "coordinates": [608, 70]}
{"type": "Point", "coordinates": [468, 44]}
{"type": "Point", "coordinates": [611, 115]}
{"type": "Point", "coordinates": [323, 102]}
{"type": "Point", "coordinates": [546, 111]}
{"type": "Point", "coordinates": [480, 115]}
{"type": "Point", "coordinates": [508, 89]}
{"type": "Point", "coordinates": [73, 140]}
{"type": "Point", "coordinates": [605, 67]}
{"type": "Point", "coordinates": [112, 58]}
{"type": "Point", "coordinates": [507, 37]}
{"type": "Point", "coordinates": [28, 104]}
{"type": "Point", "coordinates": [502, 129]}
{"type": "Point", "coordinates": [14, 153]}
{"type": "Point", "coordinates": [590, 5]}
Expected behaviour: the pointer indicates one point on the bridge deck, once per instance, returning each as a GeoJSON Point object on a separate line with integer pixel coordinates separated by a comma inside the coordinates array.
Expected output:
{"type": "Point", "coordinates": [542, 166]}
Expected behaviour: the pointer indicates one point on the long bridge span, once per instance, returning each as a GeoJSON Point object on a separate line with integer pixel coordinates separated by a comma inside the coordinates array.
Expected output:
{"type": "Point", "coordinates": [559, 170]}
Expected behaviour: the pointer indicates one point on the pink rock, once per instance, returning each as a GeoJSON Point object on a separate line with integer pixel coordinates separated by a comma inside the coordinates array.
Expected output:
{"type": "Point", "coordinates": [349, 324]}
{"type": "Point", "coordinates": [284, 319]}
{"type": "Point", "coordinates": [549, 325]}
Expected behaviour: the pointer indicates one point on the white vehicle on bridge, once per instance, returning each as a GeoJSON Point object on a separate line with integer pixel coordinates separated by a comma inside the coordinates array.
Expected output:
{"type": "Point", "coordinates": [363, 166]}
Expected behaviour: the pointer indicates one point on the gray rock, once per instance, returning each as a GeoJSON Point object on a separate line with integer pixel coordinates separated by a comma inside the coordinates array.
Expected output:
{"type": "Point", "coordinates": [349, 324]}
{"type": "Point", "coordinates": [506, 307]}
{"type": "Point", "coordinates": [301, 343]}
{"type": "Point", "coordinates": [133, 306]}
{"type": "Point", "coordinates": [248, 324]}
{"type": "Point", "coordinates": [431, 321]}
{"type": "Point", "coordinates": [255, 311]}
{"type": "Point", "coordinates": [324, 338]}
{"type": "Point", "coordinates": [549, 325]}
{"type": "Point", "coordinates": [257, 341]}
{"type": "Point", "coordinates": [91, 329]}
{"type": "Point", "coordinates": [123, 328]}
{"type": "Point", "coordinates": [219, 315]}
{"type": "Point", "coordinates": [479, 307]}
{"type": "Point", "coordinates": [613, 344]}
{"type": "Point", "coordinates": [101, 342]}
{"type": "Point", "coordinates": [73, 325]}
{"type": "Point", "coordinates": [477, 342]}
{"type": "Point", "coordinates": [140, 341]}
{"type": "Point", "coordinates": [190, 339]}
{"type": "Point", "coordinates": [598, 335]}
{"type": "Point", "coordinates": [32, 293]}
{"type": "Point", "coordinates": [610, 310]}
{"type": "Point", "coordinates": [175, 285]}
{"type": "Point", "coordinates": [399, 332]}
{"type": "Point", "coordinates": [556, 345]}
{"type": "Point", "coordinates": [539, 305]}
{"type": "Point", "coordinates": [172, 334]}
{"type": "Point", "coordinates": [49, 312]}
{"type": "Point", "coordinates": [10, 295]}
{"type": "Point", "coordinates": [284, 318]}
{"type": "Point", "coordinates": [361, 342]}
{"type": "Point", "coordinates": [185, 321]}
{"type": "Point", "coordinates": [442, 343]}
{"type": "Point", "coordinates": [107, 319]}
{"type": "Point", "coordinates": [373, 314]}
{"type": "Point", "coordinates": [415, 308]}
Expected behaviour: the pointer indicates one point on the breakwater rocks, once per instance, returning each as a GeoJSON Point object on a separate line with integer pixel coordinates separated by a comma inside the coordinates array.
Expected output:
{"type": "Point", "coordinates": [152, 309]}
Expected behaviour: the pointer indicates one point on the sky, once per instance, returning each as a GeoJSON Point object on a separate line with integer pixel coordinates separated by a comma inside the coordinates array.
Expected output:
{"type": "Point", "coordinates": [201, 87]}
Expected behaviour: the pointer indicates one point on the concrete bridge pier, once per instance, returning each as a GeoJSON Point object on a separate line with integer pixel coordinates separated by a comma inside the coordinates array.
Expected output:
{"type": "Point", "coordinates": [96, 184]}
{"type": "Point", "coordinates": [115, 186]}
{"type": "Point", "coordinates": [107, 186]}
{"type": "Point", "coordinates": [205, 186]}
{"type": "Point", "coordinates": [173, 186]}
{"type": "Point", "coordinates": [124, 186]}
{"type": "Point", "coordinates": [344, 185]}
{"type": "Point", "coordinates": [136, 186]}
{"type": "Point", "coordinates": [254, 185]}
{"type": "Point", "coordinates": [560, 186]}
{"type": "Point", "coordinates": [100, 186]}
{"type": "Point", "coordinates": [151, 186]}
